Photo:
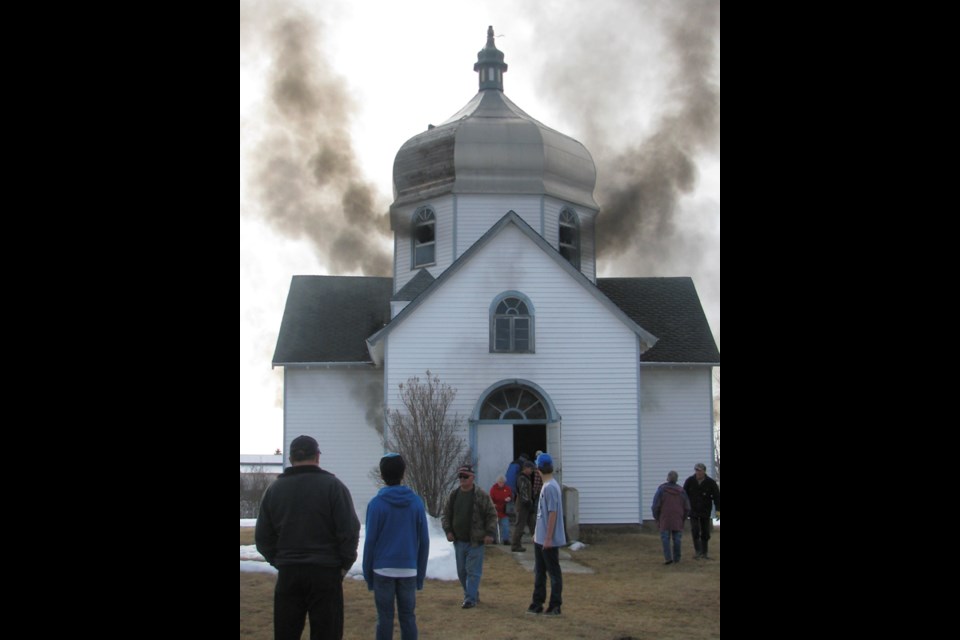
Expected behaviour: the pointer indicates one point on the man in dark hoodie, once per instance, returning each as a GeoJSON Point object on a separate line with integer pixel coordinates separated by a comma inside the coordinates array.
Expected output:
{"type": "Point", "coordinates": [309, 531]}
{"type": "Point", "coordinates": [670, 508]}
{"type": "Point", "coordinates": [395, 550]}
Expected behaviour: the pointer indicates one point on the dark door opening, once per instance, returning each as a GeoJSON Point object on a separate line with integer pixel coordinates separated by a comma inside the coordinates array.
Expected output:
{"type": "Point", "coordinates": [528, 438]}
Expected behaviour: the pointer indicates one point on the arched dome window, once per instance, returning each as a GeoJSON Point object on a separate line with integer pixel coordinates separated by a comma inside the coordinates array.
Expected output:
{"type": "Point", "coordinates": [424, 238]}
{"type": "Point", "coordinates": [569, 240]}
{"type": "Point", "coordinates": [513, 403]}
{"type": "Point", "coordinates": [511, 324]}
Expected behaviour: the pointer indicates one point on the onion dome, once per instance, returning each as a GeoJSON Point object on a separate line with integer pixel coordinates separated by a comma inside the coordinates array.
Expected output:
{"type": "Point", "coordinates": [491, 146]}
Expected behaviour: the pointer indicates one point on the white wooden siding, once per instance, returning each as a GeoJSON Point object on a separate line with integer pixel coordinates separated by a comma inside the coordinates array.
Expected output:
{"type": "Point", "coordinates": [474, 217]}
{"type": "Point", "coordinates": [585, 360]}
{"type": "Point", "coordinates": [331, 405]}
{"type": "Point", "coordinates": [588, 258]}
{"type": "Point", "coordinates": [476, 214]}
{"type": "Point", "coordinates": [443, 209]}
{"type": "Point", "coordinates": [676, 425]}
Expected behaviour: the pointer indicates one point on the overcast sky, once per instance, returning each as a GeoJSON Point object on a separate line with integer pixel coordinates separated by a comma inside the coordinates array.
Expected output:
{"type": "Point", "coordinates": [330, 91]}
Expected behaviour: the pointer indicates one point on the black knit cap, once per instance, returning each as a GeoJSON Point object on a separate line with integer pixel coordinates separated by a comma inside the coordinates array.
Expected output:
{"type": "Point", "coordinates": [392, 467]}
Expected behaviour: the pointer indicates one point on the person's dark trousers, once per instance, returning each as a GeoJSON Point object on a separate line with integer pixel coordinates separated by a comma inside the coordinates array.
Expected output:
{"type": "Point", "coordinates": [525, 519]}
{"type": "Point", "coordinates": [700, 532]}
{"type": "Point", "coordinates": [547, 561]}
{"type": "Point", "coordinates": [308, 589]}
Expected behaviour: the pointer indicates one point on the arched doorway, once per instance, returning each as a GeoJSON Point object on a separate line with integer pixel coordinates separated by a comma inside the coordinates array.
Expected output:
{"type": "Point", "coordinates": [510, 418]}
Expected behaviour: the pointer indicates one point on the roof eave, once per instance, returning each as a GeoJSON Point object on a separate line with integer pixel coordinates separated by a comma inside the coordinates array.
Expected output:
{"type": "Point", "coordinates": [326, 365]}
{"type": "Point", "coordinates": [679, 364]}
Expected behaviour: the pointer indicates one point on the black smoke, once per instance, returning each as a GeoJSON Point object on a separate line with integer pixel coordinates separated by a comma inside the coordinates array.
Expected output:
{"type": "Point", "coordinates": [305, 175]}
{"type": "Point", "coordinates": [665, 57]}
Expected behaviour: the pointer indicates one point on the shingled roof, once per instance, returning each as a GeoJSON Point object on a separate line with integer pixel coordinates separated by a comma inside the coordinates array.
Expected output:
{"type": "Point", "coordinates": [328, 318]}
{"type": "Point", "coordinates": [670, 309]}
{"type": "Point", "coordinates": [417, 285]}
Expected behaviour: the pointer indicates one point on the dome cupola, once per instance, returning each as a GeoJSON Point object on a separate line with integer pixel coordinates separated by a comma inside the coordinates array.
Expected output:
{"type": "Point", "coordinates": [491, 146]}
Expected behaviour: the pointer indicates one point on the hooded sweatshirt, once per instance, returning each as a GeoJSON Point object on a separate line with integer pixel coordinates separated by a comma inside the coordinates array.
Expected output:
{"type": "Point", "coordinates": [396, 534]}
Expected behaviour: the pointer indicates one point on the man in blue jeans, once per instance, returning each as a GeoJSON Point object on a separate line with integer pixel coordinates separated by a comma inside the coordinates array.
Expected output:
{"type": "Point", "coordinates": [670, 509]}
{"type": "Point", "coordinates": [395, 551]}
{"type": "Point", "coordinates": [470, 521]}
{"type": "Point", "coordinates": [549, 536]}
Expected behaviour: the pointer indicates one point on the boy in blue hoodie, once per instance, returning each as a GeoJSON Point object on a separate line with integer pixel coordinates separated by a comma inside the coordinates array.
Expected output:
{"type": "Point", "coordinates": [396, 549]}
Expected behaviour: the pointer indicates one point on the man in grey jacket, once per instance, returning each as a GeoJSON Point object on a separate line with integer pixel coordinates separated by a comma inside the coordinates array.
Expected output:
{"type": "Point", "coordinates": [309, 531]}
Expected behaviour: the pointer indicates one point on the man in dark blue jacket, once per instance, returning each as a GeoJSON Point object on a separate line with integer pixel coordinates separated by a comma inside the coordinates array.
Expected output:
{"type": "Point", "coordinates": [704, 494]}
{"type": "Point", "coordinates": [309, 531]}
{"type": "Point", "coordinates": [395, 550]}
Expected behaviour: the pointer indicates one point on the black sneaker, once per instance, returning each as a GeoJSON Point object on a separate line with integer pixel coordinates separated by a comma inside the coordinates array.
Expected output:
{"type": "Point", "coordinates": [518, 549]}
{"type": "Point", "coordinates": [552, 611]}
{"type": "Point", "coordinates": [668, 562]}
{"type": "Point", "coordinates": [468, 605]}
{"type": "Point", "coordinates": [535, 609]}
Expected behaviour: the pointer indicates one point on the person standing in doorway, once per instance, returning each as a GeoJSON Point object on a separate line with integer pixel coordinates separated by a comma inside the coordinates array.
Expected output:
{"type": "Point", "coordinates": [309, 531]}
{"type": "Point", "coordinates": [536, 480]}
{"type": "Point", "coordinates": [470, 521]}
{"type": "Point", "coordinates": [704, 494]}
{"type": "Point", "coordinates": [526, 512]}
{"type": "Point", "coordinates": [502, 497]}
{"type": "Point", "coordinates": [547, 540]}
{"type": "Point", "coordinates": [395, 550]}
{"type": "Point", "coordinates": [670, 509]}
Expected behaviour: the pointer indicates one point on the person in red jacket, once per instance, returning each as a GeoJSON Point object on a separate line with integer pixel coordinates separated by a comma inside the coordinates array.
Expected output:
{"type": "Point", "coordinates": [501, 495]}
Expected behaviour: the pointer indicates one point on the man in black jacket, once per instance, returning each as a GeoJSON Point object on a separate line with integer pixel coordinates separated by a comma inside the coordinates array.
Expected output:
{"type": "Point", "coordinates": [309, 531]}
{"type": "Point", "coordinates": [703, 492]}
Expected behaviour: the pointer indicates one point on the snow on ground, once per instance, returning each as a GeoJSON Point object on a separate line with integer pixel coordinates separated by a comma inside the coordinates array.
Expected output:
{"type": "Point", "coordinates": [441, 563]}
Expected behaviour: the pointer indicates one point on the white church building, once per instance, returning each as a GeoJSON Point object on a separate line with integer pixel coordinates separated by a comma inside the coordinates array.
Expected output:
{"type": "Point", "coordinates": [495, 291]}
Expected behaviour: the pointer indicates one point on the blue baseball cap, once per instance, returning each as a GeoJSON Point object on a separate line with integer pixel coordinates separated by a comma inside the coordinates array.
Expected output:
{"type": "Point", "coordinates": [544, 459]}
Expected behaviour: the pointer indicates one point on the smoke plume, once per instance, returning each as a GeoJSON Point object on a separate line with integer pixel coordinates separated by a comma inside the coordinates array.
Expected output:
{"type": "Point", "coordinates": [646, 159]}
{"type": "Point", "coordinates": [306, 178]}
{"type": "Point", "coordinates": [642, 186]}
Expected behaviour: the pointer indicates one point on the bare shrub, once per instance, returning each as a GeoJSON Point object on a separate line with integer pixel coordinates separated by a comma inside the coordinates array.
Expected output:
{"type": "Point", "coordinates": [428, 438]}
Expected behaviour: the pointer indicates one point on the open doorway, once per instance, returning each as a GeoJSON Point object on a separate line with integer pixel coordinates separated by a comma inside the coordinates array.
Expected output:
{"type": "Point", "coordinates": [528, 438]}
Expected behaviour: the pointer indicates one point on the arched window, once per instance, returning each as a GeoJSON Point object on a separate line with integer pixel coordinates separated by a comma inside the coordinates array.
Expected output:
{"type": "Point", "coordinates": [513, 403]}
{"type": "Point", "coordinates": [569, 240]}
{"type": "Point", "coordinates": [424, 238]}
{"type": "Point", "coordinates": [511, 324]}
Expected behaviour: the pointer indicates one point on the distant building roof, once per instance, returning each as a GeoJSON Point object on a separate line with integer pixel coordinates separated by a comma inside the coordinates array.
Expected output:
{"type": "Point", "coordinates": [260, 459]}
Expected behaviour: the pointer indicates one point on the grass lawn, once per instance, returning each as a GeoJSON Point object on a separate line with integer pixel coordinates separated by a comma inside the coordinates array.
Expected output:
{"type": "Point", "coordinates": [631, 595]}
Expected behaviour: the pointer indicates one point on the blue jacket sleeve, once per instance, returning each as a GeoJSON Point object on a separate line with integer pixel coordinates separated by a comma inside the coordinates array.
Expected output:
{"type": "Point", "coordinates": [370, 543]}
{"type": "Point", "coordinates": [656, 503]}
{"type": "Point", "coordinates": [424, 552]}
